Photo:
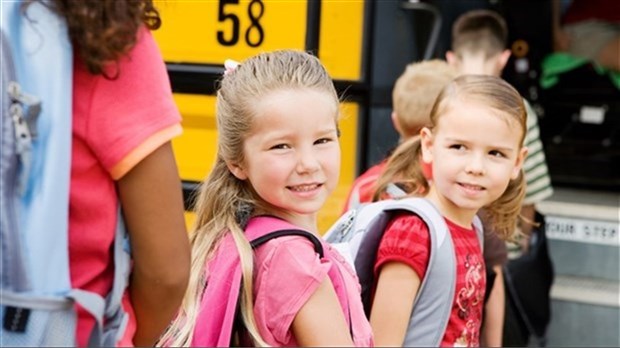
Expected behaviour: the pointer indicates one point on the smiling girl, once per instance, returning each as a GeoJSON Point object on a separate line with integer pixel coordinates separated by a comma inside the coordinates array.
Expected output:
{"type": "Point", "coordinates": [278, 160]}
{"type": "Point", "coordinates": [475, 147]}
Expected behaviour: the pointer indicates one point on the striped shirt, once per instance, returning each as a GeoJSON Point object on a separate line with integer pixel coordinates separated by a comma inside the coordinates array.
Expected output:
{"type": "Point", "coordinates": [535, 165]}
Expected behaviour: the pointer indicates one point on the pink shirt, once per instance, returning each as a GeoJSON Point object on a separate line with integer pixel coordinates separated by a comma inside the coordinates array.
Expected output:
{"type": "Point", "coordinates": [116, 124]}
{"type": "Point", "coordinates": [288, 272]}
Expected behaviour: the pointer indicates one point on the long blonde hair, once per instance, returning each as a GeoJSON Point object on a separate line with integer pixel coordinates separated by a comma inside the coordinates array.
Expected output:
{"type": "Point", "coordinates": [225, 203]}
{"type": "Point", "coordinates": [404, 165]}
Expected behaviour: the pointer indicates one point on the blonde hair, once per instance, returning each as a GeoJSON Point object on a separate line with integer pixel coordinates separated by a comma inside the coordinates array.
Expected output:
{"type": "Point", "coordinates": [225, 203]}
{"type": "Point", "coordinates": [480, 31]}
{"type": "Point", "coordinates": [404, 164]}
{"type": "Point", "coordinates": [415, 92]}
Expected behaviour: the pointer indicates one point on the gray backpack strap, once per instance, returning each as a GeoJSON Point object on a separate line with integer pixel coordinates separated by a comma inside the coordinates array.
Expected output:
{"type": "Point", "coordinates": [111, 317]}
{"type": "Point", "coordinates": [479, 231]}
{"type": "Point", "coordinates": [433, 304]}
{"type": "Point", "coordinates": [116, 318]}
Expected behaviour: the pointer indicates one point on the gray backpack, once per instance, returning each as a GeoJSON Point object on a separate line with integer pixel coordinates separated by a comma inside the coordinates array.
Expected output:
{"type": "Point", "coordinates": [357, 235]}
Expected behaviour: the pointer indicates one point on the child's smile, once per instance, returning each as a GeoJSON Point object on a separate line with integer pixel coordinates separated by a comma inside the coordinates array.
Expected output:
{"type": "Point", "coordinates": [292, 154]}
{"type": "Point", "coordinates": [472, 165]}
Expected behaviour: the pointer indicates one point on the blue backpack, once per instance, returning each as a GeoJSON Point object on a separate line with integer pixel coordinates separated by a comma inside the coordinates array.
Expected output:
{"type": "Point", "coordinates": [357, 235]}
{"type": "Point", "coordinates": [36, 298]}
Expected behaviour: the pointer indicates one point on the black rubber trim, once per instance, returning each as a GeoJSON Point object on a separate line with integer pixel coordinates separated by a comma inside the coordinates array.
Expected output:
{"type": "Point", "coordinates": [318, 247]}
{"type": "Point", "coordinates": [313, 27]}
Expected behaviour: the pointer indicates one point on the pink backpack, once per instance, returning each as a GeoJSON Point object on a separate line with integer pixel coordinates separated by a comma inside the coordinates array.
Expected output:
{"type": "Point", "coordinates": [218, 307]}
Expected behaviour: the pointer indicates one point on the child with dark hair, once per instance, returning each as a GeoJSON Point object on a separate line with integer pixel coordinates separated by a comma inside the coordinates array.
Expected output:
{"type": "Point", "coordinates": [123, 120]}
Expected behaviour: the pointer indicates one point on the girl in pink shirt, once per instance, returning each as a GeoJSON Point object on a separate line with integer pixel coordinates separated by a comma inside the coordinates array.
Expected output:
{"type": "Point", "coordinates": [278, 160]}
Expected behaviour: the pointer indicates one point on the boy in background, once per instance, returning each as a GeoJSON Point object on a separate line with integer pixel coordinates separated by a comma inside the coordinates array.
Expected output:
{"type": "Point", "coordinates": [413, 97]}
{"type": "Point", "coordinates": [479, 40]}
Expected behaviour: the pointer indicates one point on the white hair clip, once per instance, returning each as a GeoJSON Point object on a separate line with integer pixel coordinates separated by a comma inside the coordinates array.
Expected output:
{"type": "Point", "coordinates": [230, 66]}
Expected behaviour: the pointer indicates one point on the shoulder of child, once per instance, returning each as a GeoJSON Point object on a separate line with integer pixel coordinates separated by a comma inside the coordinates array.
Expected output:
{"type": "Point", "coordinates": [405, 234]}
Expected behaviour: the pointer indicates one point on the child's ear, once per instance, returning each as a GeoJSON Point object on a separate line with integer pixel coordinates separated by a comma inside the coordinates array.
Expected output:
{"type": "Point", "coordinates": [237, 170]}
{"type": "Point", "coordinates": [452, 59]}
{"type": "Point", "coordinates": [519, 164]}
{"type": "Point", "coordinates": [503, 59]}
{"type": "Point", "coordinates": [426, 142]}
{"type": "Point", "coordinates": [396, 123]}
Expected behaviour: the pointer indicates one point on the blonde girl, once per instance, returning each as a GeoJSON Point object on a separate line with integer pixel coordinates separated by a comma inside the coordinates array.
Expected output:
{"type": "Point", "coordinates": [475, 147]}
{"type": "Point", "coordinates": [279, 156]}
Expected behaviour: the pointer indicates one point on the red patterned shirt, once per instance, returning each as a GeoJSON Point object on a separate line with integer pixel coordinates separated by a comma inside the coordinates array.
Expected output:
{"type": "Point", "coordinates": [406, 240]}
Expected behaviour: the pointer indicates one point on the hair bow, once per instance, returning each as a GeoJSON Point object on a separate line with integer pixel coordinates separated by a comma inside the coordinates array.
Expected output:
{"type": "Point", "coordinates": [230, 66]}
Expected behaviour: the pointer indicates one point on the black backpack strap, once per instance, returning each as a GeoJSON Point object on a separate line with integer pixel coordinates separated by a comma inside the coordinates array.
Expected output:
{"type": "Point", "coordinates": [318, 247]}
{"type": "Point", "coordinates": [239, 334]}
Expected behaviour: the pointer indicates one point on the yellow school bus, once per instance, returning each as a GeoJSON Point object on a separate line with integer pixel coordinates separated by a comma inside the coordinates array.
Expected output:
{"type": "Point", "coordinates": [196, 38]}
{"type": "Point", "coordinates": [365, 45]}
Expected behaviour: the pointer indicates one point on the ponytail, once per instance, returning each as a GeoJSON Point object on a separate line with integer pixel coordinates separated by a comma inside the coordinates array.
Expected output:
{"type": "Point", "coordinates": [403, 167]}
{"type": "Point", "coordinates": [222, 198]}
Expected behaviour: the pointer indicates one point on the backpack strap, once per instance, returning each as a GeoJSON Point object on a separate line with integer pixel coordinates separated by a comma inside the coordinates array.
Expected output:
{"type": "Point", "coordinates": [238, 329]}
{"type": "Point", "coordinates": [433, 304]}
{"type": "Point", "coordinates": [111, 318]}
{"type": "Point", "coordinates": [116, 318]}
{"type": "Point", "coordinates": [318, 247]}
{"type": "Point", "coordinates": [479, 231]}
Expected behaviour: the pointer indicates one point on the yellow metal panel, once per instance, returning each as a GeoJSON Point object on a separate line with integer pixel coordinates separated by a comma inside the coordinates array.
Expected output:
{"type": "Point", "coordinates": [195, 150]}
{"type": "Point", "coordinates": [190, 29]}
{"type": "Point", "coordinates": [348, 143]}
{"type": "Point", "coordinates": [341, 37]}
{"type": "Point", "coordinates": [190, 217]}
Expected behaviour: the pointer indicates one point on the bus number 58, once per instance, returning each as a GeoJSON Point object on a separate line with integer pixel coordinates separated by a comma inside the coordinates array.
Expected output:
{"type": "Point", "coordinates": [254, 34]}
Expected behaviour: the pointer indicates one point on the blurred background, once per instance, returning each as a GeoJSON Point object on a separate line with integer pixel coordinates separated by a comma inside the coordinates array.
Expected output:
{"type": "Point", "coordinates": [365, 45]}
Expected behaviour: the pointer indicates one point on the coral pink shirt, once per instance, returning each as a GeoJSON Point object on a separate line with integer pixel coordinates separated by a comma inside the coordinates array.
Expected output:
{"type": "Point", "coordinates": [364, 187]}
{"type": "Point", "coordinates": [406, 240]}
{"type": "Point", "coordinates": [116, 124]}
{"type": "Point", "coordinates": [288, 272]}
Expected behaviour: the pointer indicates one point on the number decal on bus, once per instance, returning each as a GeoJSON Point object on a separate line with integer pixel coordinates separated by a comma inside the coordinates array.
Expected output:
{"type": "Point", "coordinates": [255, 24]}
{"type": "Point", "coordinates": [254, 34]}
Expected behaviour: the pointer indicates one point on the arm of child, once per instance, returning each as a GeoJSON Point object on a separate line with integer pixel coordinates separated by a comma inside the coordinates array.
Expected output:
{"type": "Point", "coordinates": [152, 202]}
{"type": "Point", "coordinates": [493, 326]}
{"type": "Point", "coordinates": [397, 287]}
{"type": "Point", "coordinates": [322, 313]}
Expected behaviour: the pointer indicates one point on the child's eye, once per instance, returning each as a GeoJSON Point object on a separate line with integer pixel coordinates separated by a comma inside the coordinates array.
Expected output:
{"type": "Point", "coordinates": [456, 147]}
{"type": "Point", "coordinates": [496, 153]}
{"type": "Point", "coordinates": [280, 147]}
{"type": "Point", "coordinates": [323, 141]}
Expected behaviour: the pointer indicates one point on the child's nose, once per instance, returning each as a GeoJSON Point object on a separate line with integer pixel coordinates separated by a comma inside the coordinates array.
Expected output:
{"type": "Point", "coordinates": [308, 161]}
{"type": "Point", "coordinates": [475, 165]}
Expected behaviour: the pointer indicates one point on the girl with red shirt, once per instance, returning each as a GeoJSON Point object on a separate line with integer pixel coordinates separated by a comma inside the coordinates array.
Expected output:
{"type": "Point", "coordinates": [475, 147]}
